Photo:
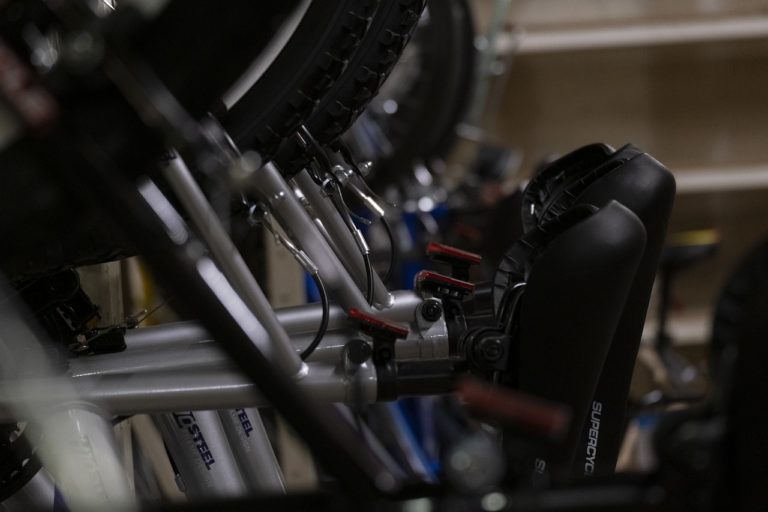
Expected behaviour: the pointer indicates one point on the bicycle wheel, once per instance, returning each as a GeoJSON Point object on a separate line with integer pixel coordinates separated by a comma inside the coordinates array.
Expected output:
{"type": "Point", "coordinates": [738, 338]}
{"type": "Point", "coordinates": [413, 118]}
{"type": "Point", "coordinates": [177, 45]}
{"type": "Point", "coordinates": [370, 65]}
{"type": "Point", "coordinates": [45, 228]}
{"type": "Point", "coordinates": [735, 309]}
{"type": "Point", "coordinates": [311, 61]}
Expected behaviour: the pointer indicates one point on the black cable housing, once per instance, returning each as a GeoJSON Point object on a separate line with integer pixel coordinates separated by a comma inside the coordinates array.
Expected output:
{"type": "Point", "coordinates": [323, 322]}
{"type": "Point", "coordinates": [392, 250]}
{"type": "Point", "coordinates": [368, 278]}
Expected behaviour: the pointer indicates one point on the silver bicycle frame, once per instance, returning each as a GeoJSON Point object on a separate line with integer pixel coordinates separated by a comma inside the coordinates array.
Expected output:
{"type": "Point", "coordinates": [174, 367]}
{"type": "Point", "coordinates": [203, 353]}
{"type": "Point", "coordinates": [199, 448]}
{"type": "Point", "coordinates": [340, 239]}
{"type": "Point", "coordinates": [231, 262]}
{"type": "Point", "coordinates": [190, 389]}
{"type": "Point", "coordinates": [303, 319]}
{"type": "Point", "coordinates": [220, 480]}
{"type": "Point", "coordinates": [252, 450]}
{"type": "Point", "coordinates": [37, 494]}
{"type": "Point", "coordinates": [186, 344]}
{"type": "Point", "coordinates": [270, 186]}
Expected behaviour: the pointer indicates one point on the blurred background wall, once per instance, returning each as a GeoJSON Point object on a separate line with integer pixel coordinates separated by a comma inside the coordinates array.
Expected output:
{"type": "Point", "coordinates": [686, 80]}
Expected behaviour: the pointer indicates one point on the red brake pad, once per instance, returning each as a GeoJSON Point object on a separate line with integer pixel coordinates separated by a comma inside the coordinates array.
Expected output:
{"type": "Point", "coordinates": [435, 282]}
{"type": "Point", "coordinates": [448, 254]}
{"type": "Point", "coordinates": [374, 324]}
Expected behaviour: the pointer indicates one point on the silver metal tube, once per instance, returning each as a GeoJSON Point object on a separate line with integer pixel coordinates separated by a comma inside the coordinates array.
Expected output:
{"type": "Point", "coordinates": [295, 320]}
{"type": "Point", "coordinates": [37, 494]}
{"type": "Point", "coordinates": [427, 342]}
{"type": "Point", "coordinates": [306, 318]}
{"type": "Point", "coordinates": [340, 238]}
{"type": "Point", "coordinates": [197, 389]}
{"type": "Point", "coordinates": [193, 355]}
{"type": "Point", "coordinates": [165, 334]}
{"type": "Point", "coordinates": [176, 356]}
{"type": "Point", "coordinates": [231, 262]}
{"type": "Point", "coordinates": [252, 450]}
{"type": "Point", "coordinates": [198, 446]}
{"type": "Point", "coordinates": [270, 186]}
{"type": "Point", "coordinates": [184, 345]}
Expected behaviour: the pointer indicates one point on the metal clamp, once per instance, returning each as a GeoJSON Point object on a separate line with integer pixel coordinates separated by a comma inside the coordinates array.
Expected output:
{"type": "Point", "coordinates": [459, 260]}
{"type": "Point", "coordinates": [258, 213]}
{"type": "Point", "coordinates": [384, 335]}
{"type": "Point", "coordinates": [442, 285]}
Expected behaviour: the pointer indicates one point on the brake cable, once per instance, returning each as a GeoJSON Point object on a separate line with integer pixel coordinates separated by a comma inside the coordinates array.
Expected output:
{"type": "Point", "coordinates": [346, 154]}
{"type": "Point", "coordinates": [331, 185]}
{"type": "Point", "coordinates": [258, 213]}
{"type": "Point", "coordinates": [371, 200]}
{"type": "Point", "coordinates": [392, 251]}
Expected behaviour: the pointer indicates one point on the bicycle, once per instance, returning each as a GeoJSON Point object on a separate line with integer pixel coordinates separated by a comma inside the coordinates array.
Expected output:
{"type": "Point", "coordinates": [549, 273]}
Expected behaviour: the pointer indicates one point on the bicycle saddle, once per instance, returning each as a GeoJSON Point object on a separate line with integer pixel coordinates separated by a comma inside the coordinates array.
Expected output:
{"type": "Point", "coordinates": [578, 269]}
{"type": "Point", "coordinates": [596, 175]}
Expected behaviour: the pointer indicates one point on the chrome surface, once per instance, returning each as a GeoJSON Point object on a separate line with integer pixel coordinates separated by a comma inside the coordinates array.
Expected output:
{"type": "Point", "coordinates": [193, 389]}
{"type": "Point", "coordinates": [231, 262]}
{"type": "Point", "coordinates": [296, 320]}
{"type": "Point", "coordinates": [425, 340]}
{"type": "Point", "coordinates": [340, 238]}
{"type": "Point", "coordinates": [272, 189]}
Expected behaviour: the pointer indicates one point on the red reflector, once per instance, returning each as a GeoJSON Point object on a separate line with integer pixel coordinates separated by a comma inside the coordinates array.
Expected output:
{"type": "Point", "coordinates": [427, 277]}
{"type": "Point", "coordinates": [446, 252]}
{"type": "Point", "coordinates": [371, 321]}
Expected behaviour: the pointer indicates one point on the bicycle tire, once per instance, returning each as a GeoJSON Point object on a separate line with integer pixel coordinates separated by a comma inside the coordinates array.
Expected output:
{"type": "Point", "coordinates": [186, 38]}
{"type": "Point", "coordinates": [312, 60]}
{"type": "Point", "coordinates": [67, 235]}
{"type": "Point", "coordinates": [424, 126]}
{"type": "Point", "coordinates": [738, 354]}
{"type": "Point", "coordinates": [746, 286]}
{"type": "Point", "coordinates": [370, 65]}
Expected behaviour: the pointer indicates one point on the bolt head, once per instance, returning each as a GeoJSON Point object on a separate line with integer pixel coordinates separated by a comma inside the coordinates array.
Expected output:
{"type": "Point", "coordinates": [365, 167]}
{"type": "Point", "coordinates": [358, 351]}
{"type": "Point", "coordinates": [431, 310]}
{"type": "Point", "coordinates": [491, 349]}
